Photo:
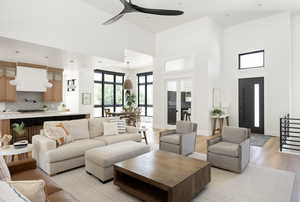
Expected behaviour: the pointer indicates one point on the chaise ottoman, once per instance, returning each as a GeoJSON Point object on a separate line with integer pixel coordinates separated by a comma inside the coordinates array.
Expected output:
{"type": "Point", "coordinates": [99, 161]}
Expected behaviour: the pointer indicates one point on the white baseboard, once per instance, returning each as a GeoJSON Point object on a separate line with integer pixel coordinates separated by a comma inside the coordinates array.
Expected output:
{"type": "Point", "coordinates": [272, 133]}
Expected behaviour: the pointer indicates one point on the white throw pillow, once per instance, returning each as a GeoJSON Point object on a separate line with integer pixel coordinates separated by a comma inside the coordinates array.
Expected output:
{"type": "Point", "coordinates": [9, 193]}
{"type": "Point", "coordinates": [78, 129]}
{"type": "Point", "coordinates": [4, 172]}
{"type": "Point", "coordinates": [110, 128]}
{"type": "Point", "coordinates": [33, 190]}
{"type": "Point", "coordinates": [121, 125]}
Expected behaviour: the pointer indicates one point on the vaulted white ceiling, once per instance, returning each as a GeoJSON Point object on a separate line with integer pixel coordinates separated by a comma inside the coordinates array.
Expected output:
{"type": "Point", "coordinates": [225, 12]}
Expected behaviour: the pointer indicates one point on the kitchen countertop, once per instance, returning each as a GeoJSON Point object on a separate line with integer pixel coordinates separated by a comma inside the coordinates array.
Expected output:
{"type": "Point", "coordinates": [19, 115]}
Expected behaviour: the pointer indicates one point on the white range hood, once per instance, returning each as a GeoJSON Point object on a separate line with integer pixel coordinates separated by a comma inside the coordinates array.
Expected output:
{"type": "Point", "coordinates": [31, 80]}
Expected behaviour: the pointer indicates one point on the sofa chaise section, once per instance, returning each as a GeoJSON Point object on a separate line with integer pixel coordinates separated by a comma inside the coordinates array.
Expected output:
{"type": "Point", "coordinates": [53, 159]}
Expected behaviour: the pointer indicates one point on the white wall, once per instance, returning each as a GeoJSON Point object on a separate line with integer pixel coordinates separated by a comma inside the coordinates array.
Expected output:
{"type": "Point", "coordinates": [71, 25]}
{"type": "Point", "coordinates": [295, 108]}
{"type": "Point", "coordinates": [199, 43]}
{"type": "Point", "coordinates": [272, 34]}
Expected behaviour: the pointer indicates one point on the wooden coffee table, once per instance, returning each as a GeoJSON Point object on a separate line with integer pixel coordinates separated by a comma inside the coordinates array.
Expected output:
{"type": "Point", "coordinates": [162, 176]}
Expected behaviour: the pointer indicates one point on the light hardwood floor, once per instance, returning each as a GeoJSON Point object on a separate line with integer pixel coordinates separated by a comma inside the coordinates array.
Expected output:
{"type": "Point", "coordinates": [268, 156]}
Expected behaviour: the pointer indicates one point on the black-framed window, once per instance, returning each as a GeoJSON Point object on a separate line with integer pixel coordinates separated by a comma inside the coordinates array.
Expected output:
{"type": "Point", "coordinates": [254, 59]}
{"type": "Point", "coordinates": [145, 93]}
{"type": "Point", "coordinates": [108, 92]}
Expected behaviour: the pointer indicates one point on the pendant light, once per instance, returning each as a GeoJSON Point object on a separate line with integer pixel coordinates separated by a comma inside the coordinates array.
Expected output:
{"type": "Point", "coordinates": [128, 86]}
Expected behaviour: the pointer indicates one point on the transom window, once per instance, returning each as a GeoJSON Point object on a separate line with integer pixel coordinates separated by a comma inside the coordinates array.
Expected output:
{"type": "Point", "coordinates": [108, 92]}
{"type": "Point", "coordinates": [145, 93]}
{"type": "Point", "coordinates": [255, 59]}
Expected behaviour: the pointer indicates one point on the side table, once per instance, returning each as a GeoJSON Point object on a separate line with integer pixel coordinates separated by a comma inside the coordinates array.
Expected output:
{"type": "Point", "coordinates": [22, 153]}
{"type": "Point", "coordinates": [219, 119]}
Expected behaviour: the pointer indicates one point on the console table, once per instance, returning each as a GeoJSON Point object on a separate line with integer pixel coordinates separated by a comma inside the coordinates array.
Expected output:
{"type": "Point", "coordinates": [220, 120]}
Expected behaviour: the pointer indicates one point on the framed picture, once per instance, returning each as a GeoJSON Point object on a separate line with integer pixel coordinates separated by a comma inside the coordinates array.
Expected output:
{"type": "Point", "coordinates": [217, 98]}
{"type": "Point", "coordinates": [86, 98]}
{"type": "Point", "coordinates": [71, 85]}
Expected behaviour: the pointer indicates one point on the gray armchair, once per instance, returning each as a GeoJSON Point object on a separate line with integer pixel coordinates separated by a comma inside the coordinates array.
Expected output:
{"type": "Point", "coordinates": [231, 151]}
{"type": "Point", "coordinates": [180, 141]}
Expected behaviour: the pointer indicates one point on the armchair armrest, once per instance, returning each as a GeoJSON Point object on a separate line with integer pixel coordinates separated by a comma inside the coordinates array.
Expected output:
{"type": "Point", "coordinates": [167, 132]}
{"type": "Point", "coordinates": [244, 149]}
{"type": "Point", "coordinates": [132, 129]}
{"type": "Point", "coordinates": [188, 142]}
{"type": "Point", "coordinates": [213, 141]}
{"type": "Point", "coordinates": [20, 166]}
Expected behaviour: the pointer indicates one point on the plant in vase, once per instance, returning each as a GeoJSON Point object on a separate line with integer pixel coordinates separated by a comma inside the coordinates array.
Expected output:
{"type": "Point", "coordinates": [19, 129]}
{"type": "Point", "coordinates": [217, 112]}
{"type": "Point", "coordinates": [130, 102]}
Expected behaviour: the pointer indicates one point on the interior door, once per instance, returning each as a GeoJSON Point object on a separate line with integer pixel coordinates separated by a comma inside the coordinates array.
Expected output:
{"type": "Point", "coordinates": [179, 98]}
{"type": "Point", "coordinates": [251, 104]}
{"type": "Point", "coordinates": [172, 102]}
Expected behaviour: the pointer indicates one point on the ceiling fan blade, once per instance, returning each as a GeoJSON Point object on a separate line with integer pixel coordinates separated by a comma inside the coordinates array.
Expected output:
{"type": "Point", "coordinates": [157, 11]}
{"type": "Point", "coordinates": [114, 19]}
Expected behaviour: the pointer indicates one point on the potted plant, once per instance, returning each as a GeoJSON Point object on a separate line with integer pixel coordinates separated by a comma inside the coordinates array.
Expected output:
{"type": "Point", "coordinates": [130, 102]}
{"type": "Point", "coordinates": [217, 112]}
{"type": "Point", "coordinates": [19, 129]}
{"type": "Point", "coordinates": [45, 108]}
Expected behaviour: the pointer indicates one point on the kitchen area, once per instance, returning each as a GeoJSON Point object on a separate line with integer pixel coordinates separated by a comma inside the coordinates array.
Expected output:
{"type": "Point", "coordinates": [31, 94]}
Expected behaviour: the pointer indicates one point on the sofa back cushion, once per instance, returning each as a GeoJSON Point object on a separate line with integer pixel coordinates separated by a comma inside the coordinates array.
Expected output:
{"type": "Point", "coordinates": [235, 135]}
{"type": "Point", "coordinates": [78, 129]}
{"type": "Point", "coordinates": [96, 127]}
{"type": "Point", "coordinates": [48, 124]}
{"type": "Point", "coordinates": [4, 172]}
{"type": "Point", "coordinates": [184, 127]}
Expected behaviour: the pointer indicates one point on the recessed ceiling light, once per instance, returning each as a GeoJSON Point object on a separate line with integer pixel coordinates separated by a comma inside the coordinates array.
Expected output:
{"type": "Point", "coordinates": [259, 4]}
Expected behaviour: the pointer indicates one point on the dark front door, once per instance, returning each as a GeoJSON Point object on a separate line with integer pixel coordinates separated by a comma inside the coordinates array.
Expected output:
{"type": "Point", "coordinates": [251, 104]}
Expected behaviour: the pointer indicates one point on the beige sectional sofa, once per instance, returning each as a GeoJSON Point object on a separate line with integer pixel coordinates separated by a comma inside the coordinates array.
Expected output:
{"type": "Point", "coordinates": [86, 134]}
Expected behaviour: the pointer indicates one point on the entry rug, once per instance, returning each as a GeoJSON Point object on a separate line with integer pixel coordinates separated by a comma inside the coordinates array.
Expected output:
{"type": "Point", "coordinates": [259, 140]}
{"type": "Point", "coordinates": [256, 184]}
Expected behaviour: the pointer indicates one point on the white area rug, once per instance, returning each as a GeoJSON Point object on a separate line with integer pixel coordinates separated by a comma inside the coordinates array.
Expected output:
{"type": "Point", "coordinates": [256, 184]}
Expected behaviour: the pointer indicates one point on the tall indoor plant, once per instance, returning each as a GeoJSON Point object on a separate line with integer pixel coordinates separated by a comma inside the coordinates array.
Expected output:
{"type": "Point", "coordinates": [130, 102]}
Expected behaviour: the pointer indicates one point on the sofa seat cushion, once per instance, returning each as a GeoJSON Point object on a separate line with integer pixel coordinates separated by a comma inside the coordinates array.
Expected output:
{"type": "Point", "coordinates": [112, 139]}
{"type": "Point", "coordinates": [171, 139]}
{"type": "Point", "coordinates": [225, 148]}
{"type": "Point", "coordinates": [73, 150]}
{"type": "Point", "coordinates": [36, 174]}
{"type": "Point", "coordinates": [111, 154]}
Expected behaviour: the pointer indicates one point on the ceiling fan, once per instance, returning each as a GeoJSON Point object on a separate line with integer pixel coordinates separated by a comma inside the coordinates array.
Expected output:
{"type": "Point", "coordinates": [130, 8]}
